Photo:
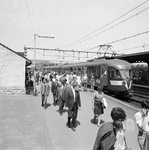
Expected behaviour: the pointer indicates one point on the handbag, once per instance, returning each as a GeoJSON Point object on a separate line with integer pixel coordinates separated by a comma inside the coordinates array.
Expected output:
{"type": "Point", "coordinates": [104, 103]}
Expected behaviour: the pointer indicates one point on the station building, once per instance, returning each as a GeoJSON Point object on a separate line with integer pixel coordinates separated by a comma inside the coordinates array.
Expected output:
{"type": "Point", "coordinates": [12, 71]}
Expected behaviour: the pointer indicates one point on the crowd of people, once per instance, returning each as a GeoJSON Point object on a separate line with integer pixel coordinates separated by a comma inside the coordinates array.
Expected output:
{"type": "Point", "coordinates": [66, 92]}
{"type": "Point", "coordinates": [111, 135]}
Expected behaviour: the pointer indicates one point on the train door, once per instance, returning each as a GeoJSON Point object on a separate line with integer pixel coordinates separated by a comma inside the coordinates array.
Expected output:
{"type": "Point", "coordinates": [103, 75]}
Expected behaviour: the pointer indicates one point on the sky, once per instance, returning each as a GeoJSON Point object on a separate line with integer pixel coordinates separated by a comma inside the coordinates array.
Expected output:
{"type": "Point", "coordinates": [79, 25]}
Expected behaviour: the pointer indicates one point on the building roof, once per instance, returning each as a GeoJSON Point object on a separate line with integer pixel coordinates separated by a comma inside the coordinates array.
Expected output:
{"type": "Point", "coordinates": [17, 53]}
{"type": "Point", "coordinates": [20, 53]}
{"type": "Point", "coordinates": [135, 57]}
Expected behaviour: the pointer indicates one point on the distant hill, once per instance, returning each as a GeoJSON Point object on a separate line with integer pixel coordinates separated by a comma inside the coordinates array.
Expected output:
{"type": "Point", "coordinates": [41, 63]}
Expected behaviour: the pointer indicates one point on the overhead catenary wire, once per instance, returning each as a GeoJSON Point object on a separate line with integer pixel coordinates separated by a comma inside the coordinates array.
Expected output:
{"type": "Point", "coordinates": [96, 30]}
{"type": "Point", "coordinates": [119, 23]}
{"type": "Point", "coordinates": [105, 25]}
{"type": "Point", "coordinates": [29, 17]}
{"type": "Point", "coordinates": [36, 52]}
{"type": "Point", "coordinates": [90, 48]}
{"type": "Point", "coordinates": [120, 40]}
{"type": "Point", "coordinates": [126, 49]}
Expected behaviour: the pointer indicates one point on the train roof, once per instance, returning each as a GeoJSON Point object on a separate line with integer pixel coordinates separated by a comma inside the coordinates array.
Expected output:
{"type": "Point", "coordinates": [139, 65]}
{"type": "Point", "coordinates": [52, 67]}
{"type": "Point", "coordinates": [111, 62]}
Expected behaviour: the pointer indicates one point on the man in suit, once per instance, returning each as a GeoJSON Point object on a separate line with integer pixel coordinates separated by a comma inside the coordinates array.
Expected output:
{"type": "Point", "coordinates": [47, 91]}
{"type": "Point", "coordinates": [59, 97]}
{"type": "Point", "coordinates": [73, 102]}
{"type": "Point", "coordinates": [54, 90]}
{"type": "Point", "coordinates": [44, 90]}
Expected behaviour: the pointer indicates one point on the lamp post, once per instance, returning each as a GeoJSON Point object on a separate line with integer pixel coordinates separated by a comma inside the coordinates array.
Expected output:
{"type": "Point", "coordinates": [35, 47]}
{"type": "Point", "coordinates": [34, 72]}
{"type": "Point", "coordinates": [35, 90]}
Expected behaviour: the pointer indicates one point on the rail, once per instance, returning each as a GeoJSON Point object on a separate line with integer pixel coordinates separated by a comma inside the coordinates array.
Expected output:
{"type": "Point", "coordinates": [140, 93]}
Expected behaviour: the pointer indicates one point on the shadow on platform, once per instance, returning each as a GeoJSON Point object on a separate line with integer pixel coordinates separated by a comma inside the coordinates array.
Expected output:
{"type": "Point", "coordinates": [95, 121]}
{"type": "Point", "coordinates": [48, 105]}
{"type": "Point", "coordinates": [75, 126]}
{"type": "Point", "coordinates": [62, 111]}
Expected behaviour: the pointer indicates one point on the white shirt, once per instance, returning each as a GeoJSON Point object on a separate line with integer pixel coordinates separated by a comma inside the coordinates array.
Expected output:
{"type": "Point", "coordinates": [73, 91]}
{"type": "Point", "coordinates": [120, 142]}
{"type": "Point", "coordinates": [142, 122]}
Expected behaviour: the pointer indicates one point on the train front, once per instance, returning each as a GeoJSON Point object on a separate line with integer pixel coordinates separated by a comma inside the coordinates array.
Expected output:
{"type": "Point", "coordinates": [120, 78]}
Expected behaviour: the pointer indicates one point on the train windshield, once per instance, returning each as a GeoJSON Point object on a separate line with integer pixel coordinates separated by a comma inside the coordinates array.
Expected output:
{"type": "Point", "coordinates": [122, 73]}
{"type": "Point", "coordinates": [115, 73]}
{"type": "Point", "coordinates": [126, 73]}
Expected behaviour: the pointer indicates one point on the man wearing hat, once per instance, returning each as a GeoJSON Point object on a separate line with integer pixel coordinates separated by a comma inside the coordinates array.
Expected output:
{"type": "Point", "coordinates": [73, 102]}
{"type": "Point", "coordinates": [142, 121]}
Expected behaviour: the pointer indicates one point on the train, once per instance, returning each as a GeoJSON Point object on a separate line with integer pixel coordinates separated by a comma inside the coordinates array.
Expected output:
{"type": "Point", "coordinates": [114, 75]}
{"type": "Point", "coordinates": [140, 73]}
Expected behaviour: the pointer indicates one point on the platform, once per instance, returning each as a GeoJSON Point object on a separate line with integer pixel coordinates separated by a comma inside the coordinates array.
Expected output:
{"type": "Point", "coordinates": [25, 125]}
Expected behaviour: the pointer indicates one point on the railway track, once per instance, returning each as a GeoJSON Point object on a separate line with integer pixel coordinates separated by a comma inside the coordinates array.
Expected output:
{"type": "Point", "coordinates": [140, 93]}
{"type": "Point", "coordinates": [141, 89]}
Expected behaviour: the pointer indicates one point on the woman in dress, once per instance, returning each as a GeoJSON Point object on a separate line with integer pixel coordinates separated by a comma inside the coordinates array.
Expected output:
{"type": "Point", "coordinates": [97, 104]}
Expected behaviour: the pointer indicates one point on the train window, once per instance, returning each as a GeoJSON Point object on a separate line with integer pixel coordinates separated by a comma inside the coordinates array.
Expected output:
{"type": "Point", "coordinates": [130, 73]}
{"type": "Point", "coordinates": [92, 71]}
{"type": "Point", "coordinates": [112, 73]}
{"type": "Point", "coordinates": [134, 72]}
{"type": "Point", "coordinates": [97, 71]}
{"type": "Point", "coordinates": [104, 71]}
{"type": "Point", "coordinates": [127, 73]}
{"type": "Point", "coordinates": [118, 75]}
{"type": "Point", "coordinates": [89, 71]}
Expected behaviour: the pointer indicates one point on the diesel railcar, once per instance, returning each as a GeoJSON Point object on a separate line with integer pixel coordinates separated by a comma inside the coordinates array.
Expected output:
{"type": "Point", "coordinates": [114, 75]}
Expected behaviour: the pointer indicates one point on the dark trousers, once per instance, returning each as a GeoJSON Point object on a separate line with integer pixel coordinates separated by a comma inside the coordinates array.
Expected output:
{"type": "Point", "coordinates": [42, 99]}
{"type": "Point", "coordinates": [72, 115]}
{"type": "Point", "coordinates": [54, 99]}
{"type": "Point", "coordinates": [85, 86]}
{"type": "Point", "coordinates": [61, 104]}
{"type": "Point", "coordinates": [45, 101]}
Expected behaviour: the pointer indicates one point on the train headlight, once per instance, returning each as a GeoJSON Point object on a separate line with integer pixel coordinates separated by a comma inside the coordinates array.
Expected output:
{"type": "Point", "coordinates": [123, 83]}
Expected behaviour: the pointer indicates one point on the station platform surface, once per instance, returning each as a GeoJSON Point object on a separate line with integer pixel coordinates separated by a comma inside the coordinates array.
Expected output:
{"type": "Point", "coordinates": [25, 125]}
